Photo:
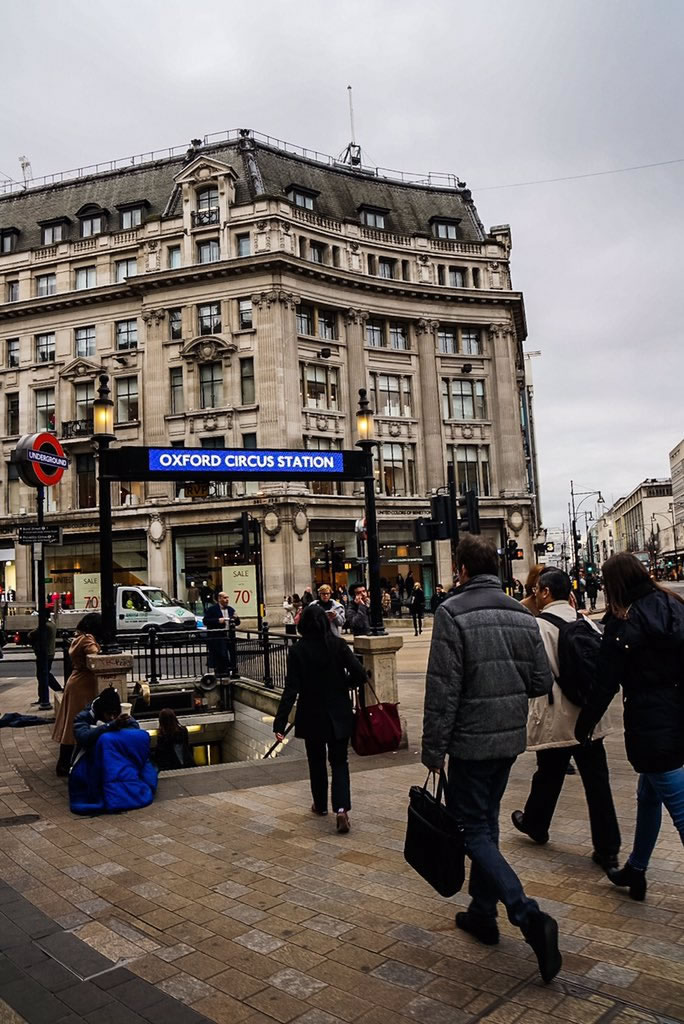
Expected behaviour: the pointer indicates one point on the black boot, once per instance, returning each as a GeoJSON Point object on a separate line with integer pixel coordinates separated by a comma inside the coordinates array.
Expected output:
{"type": "Point", "coordinates": [541, 933]}
{"type": "Point", "coordinates": [65, 752]}
{"type": "Point", "coordinates": [481, 928]}
{"type": "Point", "coordinates": [518, 819]}
{"type": "Point", "coordinates": [607, 861]}
{"type": "Point", "coordinates": [631, 878]}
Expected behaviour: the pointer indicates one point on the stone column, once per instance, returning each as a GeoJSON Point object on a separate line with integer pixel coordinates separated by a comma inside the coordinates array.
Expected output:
{"type": "Point", "coordinates": [159, 555]}
{"type": "Point", "coordinates": [276, 369]}
{"type": "Point", "coordinates": [111, 670]}
{"type": "Point", "coordinates": [156, 396]}
{"type": "Point", "coordinates": [510, 458]}
{"type": "Point", "coordinates": [286, 555]}
{"type": "Point", "coordinates": [430, 403]}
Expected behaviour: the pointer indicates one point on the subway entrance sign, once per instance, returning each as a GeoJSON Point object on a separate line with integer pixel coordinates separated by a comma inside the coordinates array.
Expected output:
{"type": "Point", "coordinates": [143, 463]}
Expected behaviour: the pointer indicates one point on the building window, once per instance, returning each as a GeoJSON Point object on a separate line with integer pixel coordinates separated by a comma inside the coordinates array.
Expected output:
{"type": "Point", "coordinates": [45, 409]}
{"type": "Point", "coordinates": [45, 348]}
{"type": "Point", "coordinates": [391, 394]}
{"type": "Point", "coordinates": [375, 335]}
{"type": "Point", "coordinates": [373, 218]}
{"type": "Point", "coordinates": [445, 229]}
{"type": "Point", "coordinates": [84, 394]}
{"type": "Point", "coordinates": [86, 277]}
{"type": "Point", "coordinates": [208, 252]}
{"type": "Point", "coordinates": [398, 469]}
{"type": "Point", "coordinates": [131, 218]}
{"type": "Point", "coordinates": [319, 387]}
{"type": "Point", "coordinates": [323, 444]}
{"type": "Point", "coordinates": [457, 277]}
{"type": "Point", "coordinates": [211, 385]}
{"type": "Point", "coordinates": [51, 233]}
{"type": "Point", "coordinates": [8, 240]}
{"type": "Point", "coordinates": [398, 336]}
{"type": "Point", "coordinates": [247, 392]}
{"type": "Point", "coordinates": [126, 335]}
{"type": "Point", "coordinates": [476, 277]}
{"type": "Point", "coordinates": [46, 284]}
{"type": "Point", "coordinates": [93, 225]}
{"type": "Point", "coordinates": [472, 469]}
{"type": "Point", "coordinates": [176, 384]}
{"type": "Point", "coordinates": [13, 414]}
{"type": "Point", "coordinates": [447, 340]}
{"type": "Point", "coordinates": [207, 206]}
{"type": "Point", "coordinates": [326, 325]}
{"type": "Point", "coordinates": [245, 316]}
{"type": "Point", "coordinates": [301, 198]}
{"type": "Point", "coordinates": [174, 257]}
{"type": "Point", "coordinates": [85, 475]}
{"type": "Point", "coordinates": [209, 318]}
{"type": "Point", "coordinates": [463, 399]}
{"type": "Point", "coordinates": [175, 324]}
{"type": "Point", "coordinates": [12, 291]}
{"type": "Point", "coordinates": [386, 268]}
{"type": "Point", "coordinates": [125, 269]}
{"type": "Point", "coordinates": [84, 342]}
{"type": "Point", "coordinates": [244, 245]}
{"type": "Point", "coordinates": [470, 343]}
{"type": "Point", "coordinates": [12, 353]}
{"type": "Point", "coordinates": [127, 400]}
{"type": "Point", "coordinates": [316, 252]}
{"type": "Point", "coordinates": [305, 320]}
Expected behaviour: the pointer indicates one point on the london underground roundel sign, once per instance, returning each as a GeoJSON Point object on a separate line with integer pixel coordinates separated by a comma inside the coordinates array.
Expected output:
{"type": "Point", "coordinates": [40, 460]}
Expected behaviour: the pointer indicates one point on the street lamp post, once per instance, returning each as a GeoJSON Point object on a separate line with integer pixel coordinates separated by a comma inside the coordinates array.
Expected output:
{"type": "Point", "coordinates": [674, 533]}
{"type": "Point", "coordinates": [103, 435]}
{"type": "Point", "coordinates": [573, 526]}
{"type": "Point", "coordinates": [364, 426]}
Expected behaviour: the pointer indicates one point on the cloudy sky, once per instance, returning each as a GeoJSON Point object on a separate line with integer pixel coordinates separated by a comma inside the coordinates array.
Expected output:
{"type": "Point", "coordinates": [500, 92]}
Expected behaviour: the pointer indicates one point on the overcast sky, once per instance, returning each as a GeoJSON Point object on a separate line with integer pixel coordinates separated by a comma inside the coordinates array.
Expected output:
{"type": "Point", "coordinates": [497, 92]}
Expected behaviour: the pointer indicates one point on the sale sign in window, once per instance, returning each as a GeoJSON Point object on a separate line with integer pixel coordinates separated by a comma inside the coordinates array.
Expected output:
{"type": "Point", "coordinates": [87, 591]}
{"type": "Point", "coordinates": [239, 583]}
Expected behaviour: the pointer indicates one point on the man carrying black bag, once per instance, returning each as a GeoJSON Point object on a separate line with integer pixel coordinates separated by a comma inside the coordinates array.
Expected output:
{"type": "Point", "coordinates": [486, 661]}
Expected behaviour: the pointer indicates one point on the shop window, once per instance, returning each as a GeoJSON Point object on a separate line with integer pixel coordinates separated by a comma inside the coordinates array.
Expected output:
{"type": "Point", "coordinates": [319, 386]}
{"type": "Point", "coordinates": [398, 336]}
{"type": "Point", "coordinates": [391, 394]}
{"type": "Point", "coordinates": [323, 444]}
{"type": "Point", "coordinates": [211, 385]}
{"type": "Point", "coordinates": [84, 341]}
{"type": "Point", "coordinates": [45, 348]}
{"type": "Point", "coordinates": [209, 318]}
{"type": "Point", "coordinates": [84, 396]}
{"type": "Point", "coordinates": [398, 469]}
{"type": "Point", "coordinates": [463, 399]}
{"type": "Point", "coordinates": [243, 245]}
{"type": "Point", "coordinates": [85, 477]}
{"type": "Point", "coordinates": [12, 353]}
{"type": "Point", "coordinates": [247, 390]}
{"type": "Point", "coordinates": [447, 340]}
{"type": "Point", "coordinates": [12, 408]}
{"type": "Point", "coordinates": [125, 269]}
{"type": "Point", "coordinates": [175, 324]}
{"type": "Point", "coordinates": [471, 343]}
{"type": "Point", "coordinates": [126, 334]}
{"type": "Point", "coordinates": [209, 251]}
{"type": "Point", "coordinates": [85, 277]}
{"type": "Point", "coordinates": [46, 284]}
{"type": "Point", "coordinates": [173, 260]}
{"type": "Point", "coordinates": [245, 314]}
{"type": "Point", "coordinates": [176, 386]}
{"type": "Point", "coordinates": [127, 400]}
{"type": "Point", "coordinates": [45, 409]}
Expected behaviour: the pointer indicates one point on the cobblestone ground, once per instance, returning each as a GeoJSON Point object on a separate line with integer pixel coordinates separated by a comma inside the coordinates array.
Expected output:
{"type": "Point", "coordinates": [227, 901]}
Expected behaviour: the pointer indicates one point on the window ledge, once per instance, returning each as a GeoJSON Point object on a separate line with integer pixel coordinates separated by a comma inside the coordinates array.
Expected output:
{"type": "Point", "coordinates": [245, 330]}
{"type": "Point", "coordinates": [126, 423]}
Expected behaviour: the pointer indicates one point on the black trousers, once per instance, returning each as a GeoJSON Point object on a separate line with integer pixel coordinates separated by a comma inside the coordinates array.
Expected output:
{"type": "Point", "coordinates": [318, 773]}
{"type": "Point", "coordinates": [417, 621]}
{"type": "Point", "coordinates": [547, 783]}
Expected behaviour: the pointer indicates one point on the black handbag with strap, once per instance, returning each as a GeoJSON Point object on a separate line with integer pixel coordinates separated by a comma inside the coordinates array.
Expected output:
{"type": "Point", "coordinates": [434, 844]}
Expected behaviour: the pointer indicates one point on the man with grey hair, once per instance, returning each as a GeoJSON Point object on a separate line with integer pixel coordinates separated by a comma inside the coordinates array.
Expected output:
{"type": "Point", "coordinates": [217, 618]}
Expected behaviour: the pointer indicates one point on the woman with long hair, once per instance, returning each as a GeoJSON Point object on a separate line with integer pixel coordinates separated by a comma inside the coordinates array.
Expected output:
{"type": "Point", "coordinates": [80, 689]}
{"type": "Point", "coordinates": [321, 668]}
{"type": "Point", "coordinates": [643, 652]}
{"type": "Point", "coordinates": [529, 601]}
{"type": "Point", "coordinates": [173, 748]}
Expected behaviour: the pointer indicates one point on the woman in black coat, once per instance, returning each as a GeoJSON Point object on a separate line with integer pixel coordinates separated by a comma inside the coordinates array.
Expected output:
{"type": "Point", "coordinates": [321, 668]}
{"type": "Point", "coordinates": [642, 651]}
{"type": "Point", "coordinates": [417, 606]}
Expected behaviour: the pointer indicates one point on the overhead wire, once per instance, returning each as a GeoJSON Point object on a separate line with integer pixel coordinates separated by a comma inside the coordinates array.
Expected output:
{"type": "Point", "coordinates": [575, 177]}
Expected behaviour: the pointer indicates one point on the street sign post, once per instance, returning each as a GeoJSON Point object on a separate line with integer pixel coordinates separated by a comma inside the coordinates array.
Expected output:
{"type": "Point", "coordinates": [34, 534]}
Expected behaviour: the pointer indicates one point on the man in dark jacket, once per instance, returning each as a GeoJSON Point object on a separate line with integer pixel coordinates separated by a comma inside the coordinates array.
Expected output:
{"type": "Point", "coordinates": [486, 661]}
{"type": "Point", "coordinates": [359, 610]}
{"type": "Point", "coordinates": [220, 649]}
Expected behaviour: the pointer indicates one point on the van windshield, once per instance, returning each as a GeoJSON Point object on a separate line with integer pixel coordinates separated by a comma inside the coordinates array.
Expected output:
{"type": "Point", "coordinates": [158, 599]}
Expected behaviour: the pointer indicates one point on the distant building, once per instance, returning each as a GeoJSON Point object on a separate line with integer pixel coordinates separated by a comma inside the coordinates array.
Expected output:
{"type": "Point", "coordinates": [638, 517]}
{"type": "Point", "coordinates": [677, 474]}
{"type": "Point", "coordinates": [239, 294]}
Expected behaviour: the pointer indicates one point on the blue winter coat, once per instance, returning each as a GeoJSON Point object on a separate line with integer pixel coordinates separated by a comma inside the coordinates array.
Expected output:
{"type": "Point", "coordinates": [112, 770]}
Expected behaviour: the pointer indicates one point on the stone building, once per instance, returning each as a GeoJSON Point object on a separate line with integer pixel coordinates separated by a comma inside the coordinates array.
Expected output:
{"type": "Point", "coordinates": [239, 294]}
{"type": "Point", "coordinates": [640, 516]}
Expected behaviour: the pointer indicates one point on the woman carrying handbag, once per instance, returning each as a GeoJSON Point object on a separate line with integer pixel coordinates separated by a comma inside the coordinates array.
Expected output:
{"type": "Point", "coordinates": [321, 668]}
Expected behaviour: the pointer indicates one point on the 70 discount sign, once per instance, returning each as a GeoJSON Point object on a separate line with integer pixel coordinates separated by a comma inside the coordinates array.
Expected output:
{"type": "Point", "coordinates": [239, 583]}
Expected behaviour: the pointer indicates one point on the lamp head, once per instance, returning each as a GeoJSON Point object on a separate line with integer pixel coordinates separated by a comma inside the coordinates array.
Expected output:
{"type": "Point", "coordinates": [103, 410]}
{"type": "Point", "coordinates": [364, 417]}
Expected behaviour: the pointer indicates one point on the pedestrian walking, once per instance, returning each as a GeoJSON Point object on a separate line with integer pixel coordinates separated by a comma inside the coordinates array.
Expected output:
{"type": "Point", "coordinates": [395, 603]}
{"type": "Point", "coordinates": [529, 601]}
{"type": "Point", "coordinates": [333, 609]}
{"type": "Point", "coordinates": [321, 667]}
{"type": "Point", "coordinates": [400, 584]}
{"type": "Point", "coordinates": [193, 597]}
{"type": "Point", "coordinates": [359, 610]}
{"type": "Point", "coordinates": [592, 591]}
{"type": "Point", "coordinates": [409, 584]}
{"type": "Point", "coordinates": [50, 645]}
{"type": "Point", "coordinates": [551, 734]}
{"type": "Point", "coordinates": [486, 660]}
{"type": "Point", "coordinates": [80, 689]}
{"type": "Point", "coordinates": [643, 652]}
{"type": "Point", "coordinates": [386, 603]}
{"type": "Point", "coordinates": [417, 607]}
{"type": "Point", "coordinates": [289, 615]}
{"type": "Point", "coordinates": [220, 649]}
{"type": "Point", "coordinates": [437, 598]}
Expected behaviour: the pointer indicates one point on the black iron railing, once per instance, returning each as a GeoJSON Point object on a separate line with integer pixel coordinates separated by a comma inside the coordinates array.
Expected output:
{"type": "Point", "coordinates": [77, 428]}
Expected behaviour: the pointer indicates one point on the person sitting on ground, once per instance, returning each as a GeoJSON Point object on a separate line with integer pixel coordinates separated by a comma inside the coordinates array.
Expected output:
{"type": "Point", "coordinates": [80, 689]}
{"type": "Point", "coordinates": [111, 770]}
{"type": "Point", "coordinates": [173, 743]}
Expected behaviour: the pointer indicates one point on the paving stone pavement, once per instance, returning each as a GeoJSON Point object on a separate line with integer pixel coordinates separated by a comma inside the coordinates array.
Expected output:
{"type": "Point", "coordinates": [227, 901]}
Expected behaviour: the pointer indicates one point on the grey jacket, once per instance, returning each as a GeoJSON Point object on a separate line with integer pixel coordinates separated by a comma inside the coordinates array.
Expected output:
{"type": "Point", "coordinates": [486, 661]}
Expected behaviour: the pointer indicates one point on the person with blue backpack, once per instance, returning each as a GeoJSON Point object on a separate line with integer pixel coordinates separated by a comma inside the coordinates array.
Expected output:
{"type": "Point", "coordinates": [572, 644]}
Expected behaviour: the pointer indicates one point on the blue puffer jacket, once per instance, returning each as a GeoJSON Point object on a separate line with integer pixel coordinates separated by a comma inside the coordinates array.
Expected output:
{"type": "Point", "coordinates": [112, 770]}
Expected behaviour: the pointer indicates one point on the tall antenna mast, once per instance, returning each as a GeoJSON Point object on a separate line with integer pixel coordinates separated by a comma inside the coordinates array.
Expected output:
{"type": "Point", "coordinates": [352, 154]}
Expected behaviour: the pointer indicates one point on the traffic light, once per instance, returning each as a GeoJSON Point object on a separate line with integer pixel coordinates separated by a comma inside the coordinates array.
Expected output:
{"type": "Point", "coordinates": [337, 558]}
{"type": "Point", "coordinates": [471, 506]}
{"type": "Point", "coordinates": [514, 552]}
{"type": "Point", "coordinates": [441, 525]}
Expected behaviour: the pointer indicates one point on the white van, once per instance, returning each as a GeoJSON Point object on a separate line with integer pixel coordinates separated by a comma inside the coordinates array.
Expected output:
{"type": "Point", "coordinates": [138, 609]}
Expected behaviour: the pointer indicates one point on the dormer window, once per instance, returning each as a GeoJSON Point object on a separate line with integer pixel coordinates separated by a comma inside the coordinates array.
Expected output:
{"type": "Point", "coordinates": [131, 215]}
{"type": "Point", "coordinates": [53, 231]}
{"type": "Point", "coordinates": [373, 217]}
{"type": "Point", "coordinates": [301, 197]}
{"type": "Point", "coordinates": [8, 240]}
{"type": "Point", "coordinates": [207, 206]}
{"type": "Point", "coordinates": [442, 228]}
{"type": "Point", "coordinates": [93, 220]}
